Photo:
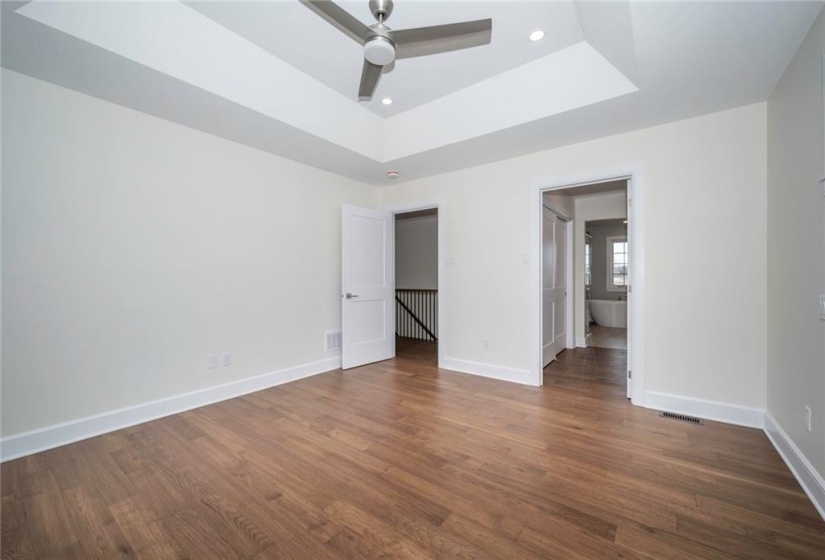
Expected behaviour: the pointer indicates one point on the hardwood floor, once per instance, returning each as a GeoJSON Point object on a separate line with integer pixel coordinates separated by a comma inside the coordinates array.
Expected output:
{"type": "Point", "coordinates": [401, 460]}
{"type": "Point", "coordinates": [607, 337]}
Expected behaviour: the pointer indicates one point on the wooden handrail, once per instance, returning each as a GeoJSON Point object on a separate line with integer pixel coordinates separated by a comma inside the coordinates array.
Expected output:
{"type": "Point", "coordinates": [416, 290]}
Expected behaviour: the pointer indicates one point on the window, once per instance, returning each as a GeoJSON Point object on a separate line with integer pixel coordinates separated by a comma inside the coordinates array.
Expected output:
{"type": "Point", "coordinates": [617, 263]}
{"type": "Point", "coordinates": [587, 279]}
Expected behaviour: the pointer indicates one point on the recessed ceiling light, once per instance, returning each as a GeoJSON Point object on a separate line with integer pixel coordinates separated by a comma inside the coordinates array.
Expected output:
{"type": "Point", "coordinates": [386, 101]}
{"type": "Point", "coordinates": [393, 174]}
{"type": "Point", "coordinates": [536, 35]}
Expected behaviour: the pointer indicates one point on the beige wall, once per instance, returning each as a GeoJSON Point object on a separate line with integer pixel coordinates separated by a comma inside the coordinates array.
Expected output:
{"type": "Point", "coordinates": [705, 189]}
{"type": "Point", "coordinates": [416, 253]}
{"type": "Point", "coordinates": [796, 250]}
{"type": "Point", "coordinates": [134, 247]}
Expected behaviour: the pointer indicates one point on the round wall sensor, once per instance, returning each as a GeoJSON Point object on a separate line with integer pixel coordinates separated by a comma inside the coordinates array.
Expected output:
{"type": "Point", "coordinates": [393, 174]}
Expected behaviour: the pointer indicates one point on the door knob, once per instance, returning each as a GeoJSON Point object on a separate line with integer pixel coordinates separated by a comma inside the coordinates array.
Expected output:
{"type": "Point", "coordinates": [350, 296]}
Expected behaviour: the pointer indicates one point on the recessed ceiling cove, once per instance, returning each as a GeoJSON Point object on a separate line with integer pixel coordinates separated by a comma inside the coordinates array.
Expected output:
{"type": "Point", "coordinates": [275, 76]}
{"type": "Point", "coordinates": [184, 43]}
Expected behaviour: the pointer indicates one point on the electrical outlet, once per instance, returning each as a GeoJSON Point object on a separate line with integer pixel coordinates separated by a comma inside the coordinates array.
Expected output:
{"type": "Point", "coordinates": [808, 423]}
{"type": "Point", "coordinates": [226, 359]}
{"type": "Point", "coordinates": [486, 343]}
{"type": "Point", "coordinates": [525, 258]}
{"type": "Point", "coordinates": [211, 361]}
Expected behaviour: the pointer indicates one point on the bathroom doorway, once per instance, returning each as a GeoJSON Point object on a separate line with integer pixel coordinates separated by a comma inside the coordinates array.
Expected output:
{"type": "Point", "coordinates": [601, 319]}
{"type": "Point", "coordinates": [606, 266]}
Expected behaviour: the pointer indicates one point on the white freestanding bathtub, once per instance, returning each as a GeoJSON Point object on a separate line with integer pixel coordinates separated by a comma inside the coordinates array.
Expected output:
{"type": "Point", "coordinates": [609, 313]}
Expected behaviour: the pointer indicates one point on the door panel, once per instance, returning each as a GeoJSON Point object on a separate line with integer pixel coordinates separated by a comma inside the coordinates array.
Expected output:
{"type": "Point", "coordinates": [548, 251]}
{"type": "Point", "coordinates": [368, 321]}
{"type": "Point", "coordinates": [560, 294]}
{"type": "Point", "coordinates": [368, 283]}
{"type": "Point", "coordinates": [553, 285]}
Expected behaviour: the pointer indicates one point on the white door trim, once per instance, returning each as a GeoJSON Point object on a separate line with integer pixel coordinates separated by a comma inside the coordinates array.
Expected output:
{"type": "Point", "coordinates": [430, 204]}
{"type": "Point", "coordinates": [571, 280]}
{"type": "Point", "coordinates": [636, 346]}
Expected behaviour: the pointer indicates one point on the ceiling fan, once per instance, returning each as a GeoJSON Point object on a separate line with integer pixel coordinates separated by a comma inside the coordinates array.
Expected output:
{"type": "Point", "coordinates": [382, 45]}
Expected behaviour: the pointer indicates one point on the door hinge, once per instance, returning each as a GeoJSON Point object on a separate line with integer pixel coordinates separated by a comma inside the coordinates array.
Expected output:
{"type": "Point", "coordinates": [629, 202]}
{"type": "Point", "coordinates": [630, 374]}
{"type": "Point", "coordinates": [629, 289]}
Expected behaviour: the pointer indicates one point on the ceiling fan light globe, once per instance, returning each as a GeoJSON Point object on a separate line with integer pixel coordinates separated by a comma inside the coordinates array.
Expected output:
{"type": "Point", "coordinates": [379, 51]}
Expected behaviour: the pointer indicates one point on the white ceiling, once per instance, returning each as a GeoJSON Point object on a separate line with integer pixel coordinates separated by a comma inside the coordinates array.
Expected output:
{"type": "Point", "coordinates": [335, 60]}
{"type": "Point", "coordinates": [275, 76]}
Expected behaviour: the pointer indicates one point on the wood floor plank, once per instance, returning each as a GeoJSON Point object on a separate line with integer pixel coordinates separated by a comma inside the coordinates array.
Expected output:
{"type": "Point", "coordinates": [402, 460]}
{"type": "Point", "coordinates": [99, 535]}
{"type": "Point", "coordinates": [144, 532]}
{"type": "Point", "coordinates": [14, 530]}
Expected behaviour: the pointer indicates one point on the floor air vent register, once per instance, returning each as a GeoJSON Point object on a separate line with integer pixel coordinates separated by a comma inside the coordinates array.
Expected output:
{"type": "Point", "coordinates": [682, 417]}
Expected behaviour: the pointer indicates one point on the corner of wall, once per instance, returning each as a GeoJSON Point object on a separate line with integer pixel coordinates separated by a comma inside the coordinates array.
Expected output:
{"type": "Point", "coordinates": [809, 479]}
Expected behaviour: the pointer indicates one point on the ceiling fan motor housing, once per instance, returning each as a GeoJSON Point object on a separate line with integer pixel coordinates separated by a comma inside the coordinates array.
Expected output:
{"type": "Point", "coordinates": [381, 9]}
{"type": "Point", "coordinates": [379, 50]}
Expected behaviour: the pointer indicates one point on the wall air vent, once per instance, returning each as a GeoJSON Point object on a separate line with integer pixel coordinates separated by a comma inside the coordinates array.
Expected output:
{"type": "Point", "coordinates": [333, 341]}
{"type": "Point", "coordinates": [682, 417]}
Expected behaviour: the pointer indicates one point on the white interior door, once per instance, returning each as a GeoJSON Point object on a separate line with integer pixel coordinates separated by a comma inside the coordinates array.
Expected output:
{"type": "Point", "coordinates": [560, 290]}
{"type": "Point", "coordinates": [554, 280]}
{"type": "Point", "coordinates": [629, 293]}
{"type": "Point", "coordinates": [368, 285]}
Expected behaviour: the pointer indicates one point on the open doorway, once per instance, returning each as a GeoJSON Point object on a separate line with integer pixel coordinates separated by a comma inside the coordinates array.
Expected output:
{"type": "Point", "coordinates": [416, 282]}
{"type": "Point", "coordinates": [600, 348]}
{"type": "Point", "coordinates": [606, 264]}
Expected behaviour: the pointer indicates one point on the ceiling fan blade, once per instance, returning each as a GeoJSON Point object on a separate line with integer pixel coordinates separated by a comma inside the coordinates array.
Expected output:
{"type": "Point", "coordinates": [369, 80]}
{"type": "Point", "coordinates": [441, 38]}
{"type": "Point", "coordinates": [340, 18]}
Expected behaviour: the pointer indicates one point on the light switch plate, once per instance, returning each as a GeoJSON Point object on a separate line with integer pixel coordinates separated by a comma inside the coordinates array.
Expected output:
{"type": "Point", "coordinates": [822, 307]}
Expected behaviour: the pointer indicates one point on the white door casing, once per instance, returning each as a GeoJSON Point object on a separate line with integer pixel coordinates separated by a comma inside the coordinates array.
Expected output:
{"type": "Point", "coordinates": [554, 291]}
{"type": "Point", "coordinates": [634, 173]}
{"type": "Point", "coordinates": [629, 292]}
{"type": "Point", "coordinates": [368, 286]}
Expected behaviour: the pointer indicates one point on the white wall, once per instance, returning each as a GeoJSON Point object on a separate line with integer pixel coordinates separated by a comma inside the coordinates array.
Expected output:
{"type": "Point", "coordinates": [796, 251]}
{"type": "Point", "coordinates": [606, 206]}
{"type": "Point", "coordinates": [134, 247]}
{"type": "Point", "coordinates": [705, 189]}
{"type": "Point", "coordinates": [416, 253]}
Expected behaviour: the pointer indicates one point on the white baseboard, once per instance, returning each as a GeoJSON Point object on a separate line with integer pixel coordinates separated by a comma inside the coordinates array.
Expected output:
{"type": "Point", "coordinates": [27, 443]}
{"type": "Point", "coordinates": [581, 342]}
{"type": "Point", "coordinates": [488, 370]}
{"type": "Point", "coordinates": [750, 417]}
{"type": "Point", "coordinates": [811, 481]}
